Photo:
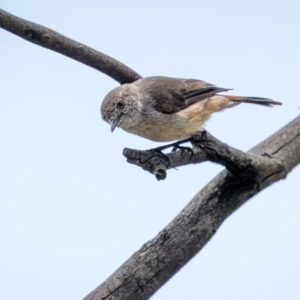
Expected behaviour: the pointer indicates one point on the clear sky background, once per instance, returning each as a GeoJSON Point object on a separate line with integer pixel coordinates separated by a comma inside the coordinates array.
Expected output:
{"type": "Point", "coordinates": [72, 209]}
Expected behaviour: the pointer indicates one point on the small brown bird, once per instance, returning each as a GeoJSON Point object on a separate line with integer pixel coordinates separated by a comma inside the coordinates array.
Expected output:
{"type": "Point", "coordinates": [166, 109]}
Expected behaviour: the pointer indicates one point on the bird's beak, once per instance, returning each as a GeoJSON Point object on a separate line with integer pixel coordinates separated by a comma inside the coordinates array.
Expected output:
{"type": "Point", "coordinates": [114, 123]}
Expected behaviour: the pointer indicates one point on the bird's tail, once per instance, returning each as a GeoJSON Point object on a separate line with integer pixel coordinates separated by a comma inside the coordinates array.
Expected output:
{"type": "Point", "coordinates": [253, 100]}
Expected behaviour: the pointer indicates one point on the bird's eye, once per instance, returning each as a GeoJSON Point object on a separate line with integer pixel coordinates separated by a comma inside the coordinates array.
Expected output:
{"type": "Point", "coordinates": [120, 104]}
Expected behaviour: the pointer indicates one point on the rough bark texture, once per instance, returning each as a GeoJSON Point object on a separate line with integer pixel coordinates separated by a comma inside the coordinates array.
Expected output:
{"type": "Point", "coordinates": [206, 148]}
{"type": "Point", "coordinates": [52, 40]}
{"type": "Point", "coordinates": [159, 259]}
{"type": "Point", "coordinates": [246, 175]}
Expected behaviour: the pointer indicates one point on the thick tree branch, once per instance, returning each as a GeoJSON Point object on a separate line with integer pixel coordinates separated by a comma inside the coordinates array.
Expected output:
{"type": "Point", "coordinates": [52, 40]}
{"type": "Point", "coordinates": [159, 259]}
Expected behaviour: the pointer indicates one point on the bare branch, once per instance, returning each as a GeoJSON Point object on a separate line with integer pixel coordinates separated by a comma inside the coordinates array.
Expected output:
{"type": "Point", "coordinates": [52, 40]}
{"type": "Point", "coordinates": [159, 259]}
{"type": "Point", "coordinates": [206, 148]}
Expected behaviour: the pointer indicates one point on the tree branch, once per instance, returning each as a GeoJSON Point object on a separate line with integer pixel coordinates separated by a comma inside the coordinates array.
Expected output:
{"type": "Point", "coordinates": [52, 40]}
{"type": "Point", "coordinates": [206, 148]}
{"type": "Point", "coordinates": [159, 259]}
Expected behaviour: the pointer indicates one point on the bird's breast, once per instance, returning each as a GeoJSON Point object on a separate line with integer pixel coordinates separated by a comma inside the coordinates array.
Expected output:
{"type": "Point", "coordinates": [162, 127]}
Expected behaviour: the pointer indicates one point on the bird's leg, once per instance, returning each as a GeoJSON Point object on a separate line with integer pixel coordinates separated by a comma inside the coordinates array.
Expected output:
{"type": "Point", "coordinates": [178, 146]}
{"type": "Point", "coordinates": [175, 146]}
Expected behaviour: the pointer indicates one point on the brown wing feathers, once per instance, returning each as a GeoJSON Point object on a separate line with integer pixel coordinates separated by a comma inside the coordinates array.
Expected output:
{"type": "Point", "coordinates": [170, 95]}
{"type": "Point", "coordinates": [203, 93]}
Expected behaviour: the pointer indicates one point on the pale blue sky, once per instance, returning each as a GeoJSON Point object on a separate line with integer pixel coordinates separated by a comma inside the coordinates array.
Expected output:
{"type": "Point", "coordinates": [72, 209]}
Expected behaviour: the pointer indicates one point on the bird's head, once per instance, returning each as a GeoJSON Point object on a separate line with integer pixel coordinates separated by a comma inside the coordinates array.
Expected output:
{"type": "Point", "coordinates": [118, 106]}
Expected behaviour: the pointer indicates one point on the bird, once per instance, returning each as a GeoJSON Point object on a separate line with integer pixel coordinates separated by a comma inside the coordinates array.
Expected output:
{"type": "Point", "coordinates": [164, 109]}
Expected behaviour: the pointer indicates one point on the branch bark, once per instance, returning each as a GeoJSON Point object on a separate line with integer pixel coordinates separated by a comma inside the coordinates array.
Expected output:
{"type": "Point", "coordinates": [52, 40]}
{"type": "Point", "coordinates": [246, 175]}
{"type": "Point", "coordinates": [206, 148]}
{"type": "Point", "coordinates": [159, 259]}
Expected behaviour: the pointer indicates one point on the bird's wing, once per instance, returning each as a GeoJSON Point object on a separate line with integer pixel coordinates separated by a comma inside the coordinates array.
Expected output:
{"type": "Point", "coordinates": [170, 95]}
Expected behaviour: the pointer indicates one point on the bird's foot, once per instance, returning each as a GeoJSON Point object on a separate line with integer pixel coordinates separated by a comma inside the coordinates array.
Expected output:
{"type": "Point", "coordinates": [158, 152]}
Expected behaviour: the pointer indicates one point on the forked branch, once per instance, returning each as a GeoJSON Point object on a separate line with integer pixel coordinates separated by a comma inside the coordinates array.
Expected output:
{"type": "Point", "coordinates": [205, 148]}
{"type": "Point", "coordinates": [159, 259]}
